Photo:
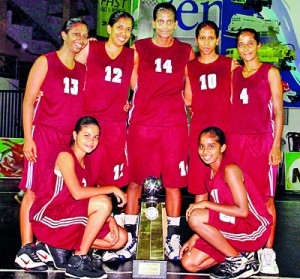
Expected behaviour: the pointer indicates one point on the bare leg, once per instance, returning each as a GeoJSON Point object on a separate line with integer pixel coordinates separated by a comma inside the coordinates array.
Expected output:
{"type": "Point", "coordinates": [198, 223]}
{"type": "Point", "coordinates": [99, 210]}
{"type": "Point", "coordinates": [197, 260]}
{"type": "Point", "coordinates": [272, 210]}
{"type": "Point", "coordinates": [25, 225]}
{"type": "Point", "coordinates": [134, 192]}
{"type": "Point", "coordinates": [173, 202]}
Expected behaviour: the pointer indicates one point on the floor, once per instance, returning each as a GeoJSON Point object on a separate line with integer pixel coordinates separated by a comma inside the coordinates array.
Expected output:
{"type": "Point", "coordinates": [287, 244]}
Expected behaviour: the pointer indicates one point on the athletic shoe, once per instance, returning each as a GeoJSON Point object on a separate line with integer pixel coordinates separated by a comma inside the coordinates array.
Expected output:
{"type": "Point", "coordinates": [129, 250]}
{"type": "Point", "coordinates": [269, 265]}
{"type": "Point", "coordinates": [80, 266]}
{"type": "Point", "coordinates": [173, 247]}
{"type": "Point", "coordinates": [97, 254]}
{"type": "Point", "coordinates": [105, 256]}
{"type": "Point", "coordinates": [233, 267]}
{"type": "Point", "coordinates": [110, 257]}
{"type": "Point", "coordinates": [43, 254]}
{"type": "Point", "coordinates": [253, 259]}
{"type": "Point", "coordinates": [28, 260]}
{"type": "Point", "coordinates": [60, 256]}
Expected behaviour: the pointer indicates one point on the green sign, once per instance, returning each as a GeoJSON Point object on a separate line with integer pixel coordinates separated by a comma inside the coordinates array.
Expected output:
{"type": "Point", "coordinates": [292, 171]}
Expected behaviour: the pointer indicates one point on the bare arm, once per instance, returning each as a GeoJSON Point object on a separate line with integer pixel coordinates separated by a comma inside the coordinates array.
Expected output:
{"type": "Point", "coordinates": [35, 80]}
{"type": "Point", "coordinates": [83, 54]}
{"type": "Point", "coordinates": [277, 99]}
{"type": "Point", "coordinates": [234, 178]}
{"type": "Point", "coordinates": [133, 80]}
{"type": "Point", "coordinates": [65, 164]}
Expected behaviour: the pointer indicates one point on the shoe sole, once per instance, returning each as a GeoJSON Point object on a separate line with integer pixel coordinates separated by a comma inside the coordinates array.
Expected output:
{"type": "Point", "coordinates": [85, 277]}
{"type": "Point", "coordinates": [34, 269]}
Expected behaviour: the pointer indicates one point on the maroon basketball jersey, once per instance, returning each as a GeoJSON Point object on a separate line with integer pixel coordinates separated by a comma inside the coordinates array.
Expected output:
{"type": "Point", "coordinates": [252, 109]}
{"type": "Point", "coordinates": [158, 99]}
{"type": "Point", "coordinates": [62, 102]}
{"type": "Point", "coordinates": [108, 81]}
{"type": "Point", "coordinates": [210, 84]}
{"type": "Point", "coordinates": [220, 193]}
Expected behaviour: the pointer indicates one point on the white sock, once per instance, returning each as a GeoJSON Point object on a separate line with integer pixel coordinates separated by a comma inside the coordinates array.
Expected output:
{"type": "Point", "coordinates": [173, 221]}
{"type": "Point", "coordinates": [131, 219]}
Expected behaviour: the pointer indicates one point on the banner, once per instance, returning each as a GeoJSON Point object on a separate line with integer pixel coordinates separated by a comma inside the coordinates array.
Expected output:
{"type": "Point", "coordinates": [11, 157]}
{"type": "Point", "coordinates": [105, 9]}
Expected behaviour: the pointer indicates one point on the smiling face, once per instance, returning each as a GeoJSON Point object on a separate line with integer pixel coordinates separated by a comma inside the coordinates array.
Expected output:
{"type": "Point", "coordinates": [76, 38]}
{"type": "Point", "coordinates": [209, 149]}
{"type": "Point", "coordinates": [86, 140]}
{"type": "Point", "coordinates": [121, 31]}
{"type": "Point", "coordinates": [247, 46]}
{"type": "Point", "coordinates": [164, 24]}
{"type": "Point", "coordinates": [207, 41]}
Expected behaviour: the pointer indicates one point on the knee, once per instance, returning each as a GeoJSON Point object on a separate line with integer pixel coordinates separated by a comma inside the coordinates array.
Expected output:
{"type": "Point", "coordinates": [101, 203]}
{"type": "Point", "coordinates": [122, 238]}
{"type": "Point", "coordinates": [196, 219]}
{"type": "Point", "coordinates": [134, 187]}
{"type": "Point", "coordinates": [188, 263]}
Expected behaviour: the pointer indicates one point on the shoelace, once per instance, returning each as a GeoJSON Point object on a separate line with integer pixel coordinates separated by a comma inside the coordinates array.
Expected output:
{"type": "Point", "coordinates": [33, 254]}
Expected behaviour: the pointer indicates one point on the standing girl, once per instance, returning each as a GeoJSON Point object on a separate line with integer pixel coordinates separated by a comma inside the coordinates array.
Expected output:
{"type": "Point", "coordinates": [50, 123]}
{"type": "Point", "coordinates": [256, 127]}
{"type": "Point", "coordinates": [207, 95]}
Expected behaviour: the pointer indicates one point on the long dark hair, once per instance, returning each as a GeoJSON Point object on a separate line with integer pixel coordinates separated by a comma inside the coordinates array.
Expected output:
{"type": "Point", "coordinates": [82, 122]}
{"type": "Point", "coordinates": [216, 132]}
{"type": "Point", "coordinates": [117, 15]}
{"type": "Point", "coordinates": [67, 26]}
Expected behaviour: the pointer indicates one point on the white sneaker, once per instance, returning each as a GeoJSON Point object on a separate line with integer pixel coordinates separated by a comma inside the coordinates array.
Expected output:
{"type": "Point", "coordinates": [173, 247]}
{"type": "Point", "coordinates": [110, 257]}
{"type": "Point", "coordinates": [129, 250]}
{"type": "Point", "coordinates": [268, 259]}
{"type": "Point", "coordinates": [43, 254]}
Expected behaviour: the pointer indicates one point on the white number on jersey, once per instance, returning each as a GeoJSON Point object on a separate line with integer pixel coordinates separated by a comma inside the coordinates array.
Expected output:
{"type": "Point", "coordinates": [71, 86]}
{"type": "Point", "coordinates": [84, 182]}
{"type": "Point", "coordinates": [244, 96]}
{"type": "Point", "coordinates": [113, 74]}
{"type": "Point", "coordinates": [167, 66]}
{"type": "Point", "coordinates": [182, 168]}
{"type": "Point", "coordinates": [118, 171]}
{"type": "Point", "coordinates": [208, 81]}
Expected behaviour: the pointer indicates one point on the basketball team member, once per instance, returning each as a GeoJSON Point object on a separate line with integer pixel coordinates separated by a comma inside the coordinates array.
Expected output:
{"type": "Point", "coordinates": [256, 127]}
{"type": "Point", "coordinates": [72, 216]}
{"type": "Point", "coordinates": [51, 122]}
{"type": "Point", "coordinates": [156, 116]}
{"type": "Point", "coordinates": [232, 224]}
{"type": "Point", "coordinates": [207, 89]}
{"type": "Point", "coordinates": [109, 70]}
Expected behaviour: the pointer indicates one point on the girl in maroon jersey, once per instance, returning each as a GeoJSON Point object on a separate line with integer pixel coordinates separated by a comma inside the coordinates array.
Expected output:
{"type": "Point", "coordinates": [256, 127]}
{"type": "Point", "coordinates": [72, 216]}
{"type": "Point", "coordinates": [49, 123]}
{"type": "Point", "coordinates": [232, 224]}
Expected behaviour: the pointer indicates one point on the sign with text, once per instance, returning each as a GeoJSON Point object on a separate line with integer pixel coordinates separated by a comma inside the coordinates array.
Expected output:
{"type": "Point", "coordinates": [292, 171]}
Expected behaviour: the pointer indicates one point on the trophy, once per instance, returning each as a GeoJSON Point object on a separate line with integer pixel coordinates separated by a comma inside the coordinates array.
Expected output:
{"type": "Point", "coordinates": [150, 260]}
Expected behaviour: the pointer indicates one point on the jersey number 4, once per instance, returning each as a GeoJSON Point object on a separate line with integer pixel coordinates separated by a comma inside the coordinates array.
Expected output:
{"type": "Point", "coordinates": [244, 96]}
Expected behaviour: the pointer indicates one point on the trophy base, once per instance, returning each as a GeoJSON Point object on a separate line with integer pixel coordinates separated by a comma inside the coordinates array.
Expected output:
{"type": "Point", "coordinates": [149, 269]}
